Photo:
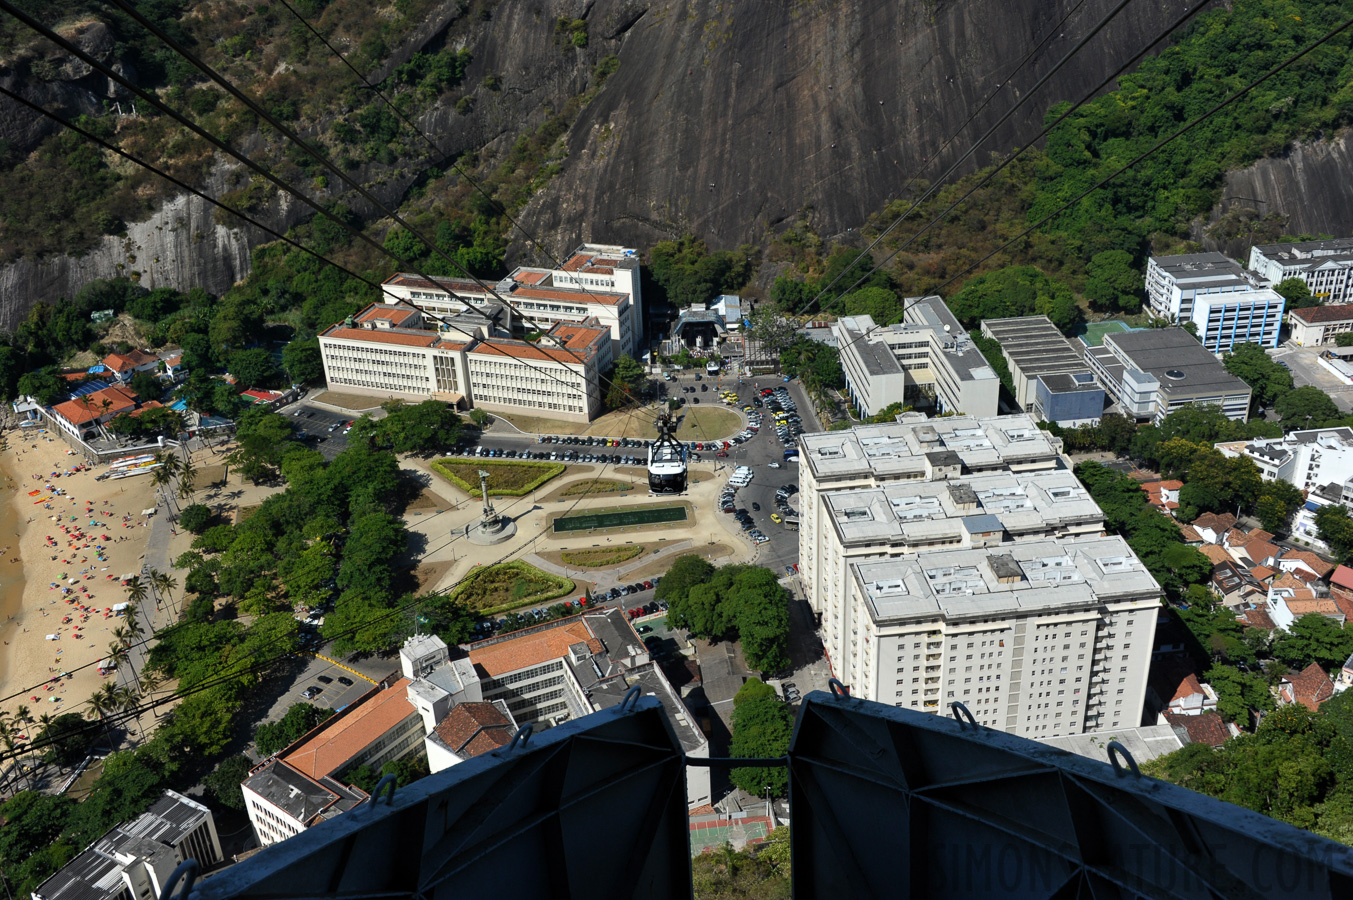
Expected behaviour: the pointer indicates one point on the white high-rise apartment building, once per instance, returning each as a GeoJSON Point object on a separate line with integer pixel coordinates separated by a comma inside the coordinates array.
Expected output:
{"type": "Point", "coordinates": [1040, 639]}
{"type": "Point", "coordinates": [1227, 304]}
{"type": "Point", "coordinates": [922, 536]}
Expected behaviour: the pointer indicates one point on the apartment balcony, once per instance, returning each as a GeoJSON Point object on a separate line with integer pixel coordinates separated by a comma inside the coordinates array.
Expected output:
{"type": "Point", "coordinates": [884, 802]}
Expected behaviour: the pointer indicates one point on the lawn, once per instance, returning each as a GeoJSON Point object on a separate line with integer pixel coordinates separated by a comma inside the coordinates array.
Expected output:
{"type": "Point", "coordinates": [595, 486]}
{"type": "Point", "coordinates": [498, 589]}
{"type": "Point", "coordinates": [707, 423]}
{"type": "Point", "coordinates": [507, 478]}
{"type": "Point", "coordinates": [601, 557]}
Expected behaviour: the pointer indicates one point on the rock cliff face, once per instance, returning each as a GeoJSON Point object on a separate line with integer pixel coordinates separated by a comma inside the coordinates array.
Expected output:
{"type": "Point", "coordinates": [725, 118]}
{"type": "Point", "coordinates": [1305, 191]}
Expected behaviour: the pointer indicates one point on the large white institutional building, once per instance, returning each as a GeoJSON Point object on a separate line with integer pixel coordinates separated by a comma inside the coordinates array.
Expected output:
{"type": "Point", "coordinates": [1227, 304]}
{"type": "Point", "coordinates": [469, 360]}
{"type": "Point", "coordinates": [959, 559]}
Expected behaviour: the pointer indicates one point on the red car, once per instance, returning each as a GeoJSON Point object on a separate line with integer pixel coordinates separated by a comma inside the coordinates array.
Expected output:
{"type": "Point", "coordinates": [722, 453]}
{"type": "Point", "coordinates": [648, 585]}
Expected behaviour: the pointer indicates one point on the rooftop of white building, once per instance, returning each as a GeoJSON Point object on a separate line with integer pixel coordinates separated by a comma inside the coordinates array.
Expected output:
{"type": "Point", "coordinates": [1014, 579]}
{"type": "Point", "coordinates": [901, 448]}
{"type": "Point", "coordinates": [1205, 271]}
{"type": "Point", "coordinates": [929, 511]}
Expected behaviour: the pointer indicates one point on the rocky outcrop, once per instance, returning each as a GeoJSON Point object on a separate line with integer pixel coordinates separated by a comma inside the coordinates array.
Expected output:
{"type": "Point", "coordinates": [1307, 190]}
{"type": "Point", "coordinates": [726, 118]}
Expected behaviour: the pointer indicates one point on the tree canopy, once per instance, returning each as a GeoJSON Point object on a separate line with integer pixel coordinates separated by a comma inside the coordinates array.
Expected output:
{"type": "Point", "coordinates": [1252, 365]}
{"type": "Point", "coordinates": [745, 602]}
{"type": "Point", "coordinates": [762, 727]}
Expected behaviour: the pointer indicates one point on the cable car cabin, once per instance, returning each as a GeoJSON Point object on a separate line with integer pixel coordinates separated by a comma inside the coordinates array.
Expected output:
{"type": "Point", "coordinates": [666, 461]}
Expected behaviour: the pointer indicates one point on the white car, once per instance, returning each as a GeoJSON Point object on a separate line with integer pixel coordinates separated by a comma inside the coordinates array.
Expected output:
{"type": "Point", "coordinates": [774, 465]}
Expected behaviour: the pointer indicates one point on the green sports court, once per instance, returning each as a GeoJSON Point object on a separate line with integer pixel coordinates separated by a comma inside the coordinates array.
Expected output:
{"type": "Point", "coordinates": [644, 515]}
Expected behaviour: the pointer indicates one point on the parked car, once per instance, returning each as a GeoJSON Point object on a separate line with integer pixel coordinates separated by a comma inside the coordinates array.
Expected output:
{"type": "Point", "coordinates": [345, 680]}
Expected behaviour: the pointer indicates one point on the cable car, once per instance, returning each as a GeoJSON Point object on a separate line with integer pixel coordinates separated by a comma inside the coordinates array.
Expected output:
{"type": "Point", "coordinates": [666, 460]}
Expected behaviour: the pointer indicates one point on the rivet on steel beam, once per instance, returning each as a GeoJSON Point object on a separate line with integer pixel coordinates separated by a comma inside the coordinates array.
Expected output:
{"type": "Point", "coordinates": [386, 780]}
{"type": "Point", "coordinates": [521, 737]}
{"type": "Point", "coordinates": [187, 870]}
{"type": "Point", "coordinates": [631, 699]}
{"type": "Point", "coordinates": [837, 688]}
{"type": "Point", "coordinates": [956, 707]}
{"type": "Point", "coordinates": [1116, 750]}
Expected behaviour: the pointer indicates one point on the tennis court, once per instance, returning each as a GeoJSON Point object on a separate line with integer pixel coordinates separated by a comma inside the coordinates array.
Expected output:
{"type": "Point", "coordinates": [1095, 331]}
{"type": "Point", "coordinates": [646, 515]}
{"type": "Point", "coordinates": [712, 834]}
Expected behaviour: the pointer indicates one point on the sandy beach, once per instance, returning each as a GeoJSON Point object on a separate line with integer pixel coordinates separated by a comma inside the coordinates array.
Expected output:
{"type": "Point", "coordinates": [70, 570]}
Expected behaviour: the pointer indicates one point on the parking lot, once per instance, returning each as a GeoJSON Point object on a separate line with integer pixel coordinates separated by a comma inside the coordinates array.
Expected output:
{"type": "Point", "coordinates": [324, 430]}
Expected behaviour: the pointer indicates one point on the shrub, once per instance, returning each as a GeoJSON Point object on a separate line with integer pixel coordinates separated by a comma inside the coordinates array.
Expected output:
{"type": "Point", "coordinates": [600, 557]}
{"type": "Point", "coordinates": [506, 478]}
{"type": "Point", "coordinates": [196, 518]}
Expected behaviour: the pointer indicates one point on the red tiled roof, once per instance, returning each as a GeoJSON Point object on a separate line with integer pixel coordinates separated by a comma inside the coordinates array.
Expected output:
{"type": "Point", "coordinates": [1262, 572]}
{"type": "Point", "coordinates": [1339, 312]}
{"type": "Point", "coordinates": [1218, 523]}
{"type": "Point", "coordinates": [1311, 687]}
{"type": "Point", "coordinates": [471, 729]}
{"type": "Point", "coordinates": [149, 404]}
{"type": "Point", "coordinates": [1317, 565]}
{"type": "Point", "coordinates": [1258, 551]}
{"type": "Point", "coordinates": [382, 336]}
{"type": "Point", "coordinates": [533, 648]}
{"type": "Point", "coordinates": [90, 407]}
{"type": "Point", "coordinates": [125, 362]}
{"type": "Point", "coordinates": [1288, 581]}
{"type": "Point", "coordinates": [579, 337]}
{"type": "Point", "coordinates": [393, 314]}
{"type": "Point", "coordinates": [526, 351]}
{"type": "Point", "coordinates": [576, 262]}
{"type": "Point", "coordinates": [1259, 618]}
{"type": "Point", "coordinates": [531, 277]}
{"type": "Point", "coordinates": [1208, 728]}
{"type": "Point", "coordinates": [1189, 533]}
{"type": "Point", "coordinates": [403, 279]}
{"type": "Point", "coordinates": [1187, 687]}
{"type": "Point", "coordinates": [1215, 552]}
{"type": "Point", "coordinates": [1345, 606]}
{"type": "Point", "coordinates": [589, 296]}
{"type": "Point", "coordinates": [333, 743]}
{"type": "Point", "coordinates": [1162, 485]}
{"type": "Point", "coordinates": [1343, 576]}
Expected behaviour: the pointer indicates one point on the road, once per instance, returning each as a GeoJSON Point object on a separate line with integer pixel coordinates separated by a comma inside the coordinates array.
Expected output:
{"type": "Point", "coordinates": [1307, 370]}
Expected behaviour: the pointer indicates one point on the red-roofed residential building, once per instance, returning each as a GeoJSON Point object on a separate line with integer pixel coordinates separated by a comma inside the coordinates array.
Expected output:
{"type": "Point", "coordinates": [125, 365]}
{"type": "Point", "coordinates": [1207, 728]}
{"type": "Point", "coordinates": [1192, 697]}
{"type": "Point", "coordinates": [1294, 560]}
{"type": "Point", "coordinates": [81, 415]}
{"type": "Point", "coordinates": [1341, 583]}
{"type": "Point", "coordinates": [1286, 604]}
{"type": "Point", "coordinates": [1163, 495]}
{"type": "Point", "coordinates": [1212, 526]}
{"type": "Point", "coordinates": [1310, 687]}
{"type": "Point", "coordinates": [469, 730]}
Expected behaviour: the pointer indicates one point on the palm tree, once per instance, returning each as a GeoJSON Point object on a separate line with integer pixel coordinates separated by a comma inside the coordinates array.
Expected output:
{"type": "Point", "coordinates": [133, 628]}
{"type": "Point", "coordinates": [101, 703]}
{"type": "Point", "coordinates": [187, 478]}
{"type": "Point", "coordinates": [7, 737]}
{"type": "Point", "coordinates": [163, 581]}
{"type": "Point", "coordinates": [150, 682]}
{"type": "Point", "coordinates": [128, 700]}
{"type": "Point", "coordinates": [136, 591]}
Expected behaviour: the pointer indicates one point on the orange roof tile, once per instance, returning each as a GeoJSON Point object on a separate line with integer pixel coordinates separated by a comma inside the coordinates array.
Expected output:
{"type": "Point", "coordinates": [382, 336]}
{"type": "Point", "coordinates": [403, 279]}
{"type": "Point", "coordinates": [90, 407]}
{"type": "Point", "coordinates": [1262, 572]}
{"type": "Point", "coordinates": [1259, 618]}
{"type": "Point", "coordinates": [1218, 523]}
{"type": "Point", "coordinates": [1345, 606]}
{"type": "Point", "coordinates": [125, 362]}
{"type": "Point", "coordinates": [1304, 606]}
{"type": "Point", "coordinates": [1258, 551]}
{"type": "Point", "coordinates": [1187, 687]}
{"type": "Point", "coordinates": [334, 742]}
{"type": "Point", "coordinates": [531, 277]}
{"type": "Point", "coordinates": [1310, 687]}
{"type": "Point", "coordinates": [526, 351]}
{"type": "Point", "coordinates": [1208, 728]}
{"type": "Point", "coordinates": [393, 314]}
{"type": "Point", "coordinates": [471, 729]}
{"type": "Point", "coordinates": [1317, 565]}
{"type": "Point", "coordinates": [1189, 533]}
{"type": "Point", "coordinates": [1215, 552]}
{"type": "Point", "coordinates": [532, 648]}
{"type": "Point", "coordinates": [1287, 580]}
{"type": "Point", "coordinates": [577, 296]}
